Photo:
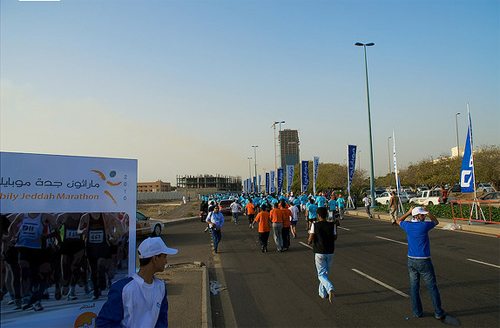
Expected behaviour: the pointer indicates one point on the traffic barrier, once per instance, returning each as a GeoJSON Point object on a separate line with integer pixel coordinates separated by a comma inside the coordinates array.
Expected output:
{"type": "Point", "coordinates": [473, 210]}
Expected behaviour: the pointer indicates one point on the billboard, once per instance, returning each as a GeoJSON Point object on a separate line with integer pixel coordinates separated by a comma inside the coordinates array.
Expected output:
{"type": "Point", "coordinates": [69, 223]}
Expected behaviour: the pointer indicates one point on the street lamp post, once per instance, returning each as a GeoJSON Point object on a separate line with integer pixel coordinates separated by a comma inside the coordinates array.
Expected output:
{"type": "Point", "coordinates": [255, 161]}
{"type": "Point", "coordinates": [456, 129]}
{"type": "Point", "coordinates": [372, 174]}
{"type": "Point", "coordinates": [359, 159]}
{"type": "Point", "coordinates": [250, 171]}
{"type": "Point", "coordinates": [389, 152]}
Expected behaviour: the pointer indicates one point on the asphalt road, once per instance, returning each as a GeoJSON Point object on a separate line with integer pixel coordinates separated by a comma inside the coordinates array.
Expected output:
{"type": "Point", "coordinates": [369, 274]}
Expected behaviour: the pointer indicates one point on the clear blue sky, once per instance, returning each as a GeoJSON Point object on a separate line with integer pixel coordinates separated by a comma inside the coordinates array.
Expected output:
{"type": "Point", "coordinates": [187, 87]}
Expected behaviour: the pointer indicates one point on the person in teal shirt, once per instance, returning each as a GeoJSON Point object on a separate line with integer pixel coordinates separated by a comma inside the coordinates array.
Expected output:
{"type": "Point", "coordinates": [340, 204]}
{"type": "Point", "coordinates": [332, 207]}
{"type": "Point", "coordinates": [312, 210]}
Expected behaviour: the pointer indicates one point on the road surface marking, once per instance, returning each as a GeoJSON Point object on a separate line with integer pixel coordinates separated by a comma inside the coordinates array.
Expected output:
{"type": "Point", "coordinates": [305, 245]}
{"type": "Point", "coordinates": [394, 241]}
{"type": "Point", "coordinates": [381, 283]}
{"type": "Point", "coordinates": [493, 265]}
{"type": "Point", "coordinates": [344, 228]}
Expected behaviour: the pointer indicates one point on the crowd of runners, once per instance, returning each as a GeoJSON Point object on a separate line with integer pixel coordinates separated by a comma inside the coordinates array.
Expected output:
{"type": "Point", "coordinates": [45, 250]}
{"type": "Point", "coordinates": [276, 213]}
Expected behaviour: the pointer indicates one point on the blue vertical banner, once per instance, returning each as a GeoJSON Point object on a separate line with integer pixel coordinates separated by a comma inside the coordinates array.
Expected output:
{"type": "Point", "coordinates": [351, 156]}
{"type": "Point", "coordinates": [280, 180]}
{"type": "Point", "coordinates": [254, 184]}
{"type": "Point", "coordinates": [260, 181]}
{"type": "Point", "coordinates": [467, 173]}
{"type": "Point", "coordinates": [271, 182]}
{"type": "Point", "coordinates": [267, 182]}
{"type": "Point", "coordinates": [315, 172]}
{"type": "Point", "coordinates": [305, 175]}
{"type": "Point", "coordinates": [289, 177]}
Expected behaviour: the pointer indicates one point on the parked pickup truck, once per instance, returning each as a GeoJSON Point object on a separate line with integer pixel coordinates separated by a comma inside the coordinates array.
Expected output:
{"type": "Point", "coordinates": [429, 197]}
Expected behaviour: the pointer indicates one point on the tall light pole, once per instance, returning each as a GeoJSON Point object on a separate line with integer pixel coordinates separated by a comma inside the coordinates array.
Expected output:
{"type": "Point", "coordinates": [255, 161]}
{"type": "Point", "coordinates": [372, 174]}
{"type": "Point", "coordinates": [456, 129]}
{"type": "Point", "coordinates": [389, 152]}
{"type": "Point", "coordinates": [250, 171]}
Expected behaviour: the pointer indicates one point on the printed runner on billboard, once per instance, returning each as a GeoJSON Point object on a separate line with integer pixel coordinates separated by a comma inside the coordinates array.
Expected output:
{"type": "Point", "coordinates": [69, 223]}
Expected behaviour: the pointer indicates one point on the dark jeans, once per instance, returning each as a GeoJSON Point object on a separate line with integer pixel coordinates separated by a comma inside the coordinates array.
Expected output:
{"type": "Point", "coordinates": [423, 268]}
{"type": "Point", "coordinates": [263, 238]}
{"type": "Point", "coordinates": [285, 232]}
{"type": "Point", "coordinates": [216, 236]}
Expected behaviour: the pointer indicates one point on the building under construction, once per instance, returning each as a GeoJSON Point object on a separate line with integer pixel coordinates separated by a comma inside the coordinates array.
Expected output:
{"type": "Point", "coordinates": [217, 182]}
{"type": "Point", "coordinates": [289, 144]}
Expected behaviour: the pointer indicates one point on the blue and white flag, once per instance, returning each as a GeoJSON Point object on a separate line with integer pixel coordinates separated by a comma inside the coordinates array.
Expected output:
{"type": "Point", "coordinates": [267, 182]}
{"type": "Point", "coordinates": [351, 155]}
{"type": "Point", "coordinates": [315, 172]}
{"type": "Point", "coordinates": [280, 180]}
{"type": "Point", "coordinates": [272, 182]}
{"type": "Point", "coordinates": [289, 177]}
{"type": "Point", "coordinates": [260, 181]}
{"type": "Point", "coordinates": [255, 184]}
{"type": "Point", "coordinates": [467, 173]}
{"type": "Point", "coordinates": [305, 175]}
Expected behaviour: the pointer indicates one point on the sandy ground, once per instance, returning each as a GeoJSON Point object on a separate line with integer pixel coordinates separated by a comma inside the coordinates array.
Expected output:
{"type": "Point", "coordinates": [170, 210]}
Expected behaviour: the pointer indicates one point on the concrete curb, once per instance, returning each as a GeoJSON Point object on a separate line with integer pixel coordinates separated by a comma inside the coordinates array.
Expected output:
{"type": "Point", "coordinates": [491, 229]}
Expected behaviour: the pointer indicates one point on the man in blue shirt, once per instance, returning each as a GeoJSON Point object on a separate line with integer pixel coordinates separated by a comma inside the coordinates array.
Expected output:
{"type": "Point", "coordinates": [340, 205]}
{"type": "Point", "coordinates": [419, 258]}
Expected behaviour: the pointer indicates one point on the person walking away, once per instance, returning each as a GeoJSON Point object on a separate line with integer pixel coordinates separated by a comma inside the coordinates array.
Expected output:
{"type": "Point", "coordinates": [367, 202]}
{"type": "Point", "coordinates": [264, 220]}
{"type": "Point", "coordinates": [332, 205]}
{"type": "Point", "coordinates": [287, 217]}
{"type": "Point", "coordinates": [277, 223]}
{"type": "Point", "coordinates": [393, 207]}
{"type": "Point", "coordinates": [215, 222]}
{"type": "Point", "coordinates": [141, 299]}
{"type": "Point", "coordinates": [235, 211]}
{"type": "Point", "coordinates": [312, 216]}
{"type": "Point", "coordinates": [341, 206]}
{"type": "Point", "coordinates": [322, 236]}
{"type": "Point", "coordinates": [295, 218]}
{"type": "Point", "coordinates": [250, 209]}
{"type": "Point", "coordinates": [419, 258]}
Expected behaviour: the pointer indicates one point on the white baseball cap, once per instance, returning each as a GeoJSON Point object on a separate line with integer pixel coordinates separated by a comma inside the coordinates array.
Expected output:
{"type": "Point", "coordinates": [154, 246]}
{"type": "Point", "coordinates": [417, 211]}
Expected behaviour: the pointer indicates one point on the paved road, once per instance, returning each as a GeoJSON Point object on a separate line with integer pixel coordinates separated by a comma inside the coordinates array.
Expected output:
{"type": "Point", "coordinates": [369, 274]}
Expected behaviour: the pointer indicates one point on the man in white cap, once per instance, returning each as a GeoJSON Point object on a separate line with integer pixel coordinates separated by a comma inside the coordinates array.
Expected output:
{"type": "Point", "coordinates": [140, 300]}
{"type": "Point", "coordinates": [419, 258]}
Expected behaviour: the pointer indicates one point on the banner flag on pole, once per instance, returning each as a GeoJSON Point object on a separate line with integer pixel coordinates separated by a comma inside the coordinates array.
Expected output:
{"type": "Point", "coordinates": [260, 181]}
{"type": "Point", "coordinates": [305, 175]}
{"type": "Point", "coordinates": [315, 172]}
{"type": "Point", "coordinates": [351, 155]}
{"type": "Point", "coordinates": [255, 184]}
{"type": "Point", "coordinates": [267, 182]}
{"type": "Point", "coordinates": [396, 173]}
{"type": "Point", "coordinates": [280, 180]}
{"type": "Point", "coordinates": [289, 175]}
{"type": "Point", "coordinates": [467, 182]}
{"type": "Point", "coordinates": [272, 182]}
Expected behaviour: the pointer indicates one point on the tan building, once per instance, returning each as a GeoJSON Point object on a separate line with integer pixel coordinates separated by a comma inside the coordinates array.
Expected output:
{"type": "Point", "coordinates": [158, 186]}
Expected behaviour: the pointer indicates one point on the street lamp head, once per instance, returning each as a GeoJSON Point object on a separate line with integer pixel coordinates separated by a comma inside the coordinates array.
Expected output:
{"type": "Point", "coordinates": [457, 114]}
{"type": "Point", "coordinates": [359, 44]}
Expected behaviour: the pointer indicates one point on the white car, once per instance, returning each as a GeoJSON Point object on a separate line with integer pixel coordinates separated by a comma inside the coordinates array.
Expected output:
{"type": "Point", "coordinates": [485, 187]}
{"type": "Point", "coordinates": [148, 226]}
{"type": "Point", "coordinates": [385, 198]}
{"type": "Point", "coordinates": [429, 197]}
